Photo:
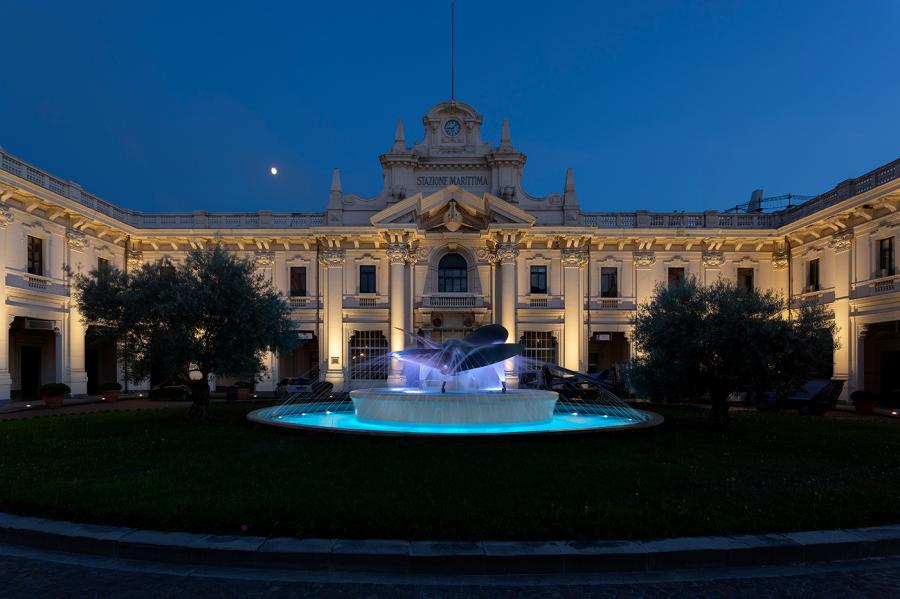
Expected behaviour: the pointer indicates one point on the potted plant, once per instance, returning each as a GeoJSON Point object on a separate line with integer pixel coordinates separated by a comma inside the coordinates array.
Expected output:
{"type": "Point", "coordinates": [243, 390]}
{"type": "Point", "coordinates": [110, 391]}
{"type": "Point", "coordinates": [863, 401]}
{"type": "Point", "coordinates": [53, 394]}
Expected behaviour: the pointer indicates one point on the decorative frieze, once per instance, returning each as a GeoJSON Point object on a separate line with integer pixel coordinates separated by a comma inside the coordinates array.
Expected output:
{"type": "Point", "coordinates": [486, 254]}
{"type": "Point", "coordinates": [135, 259]}
{"type": "Point", "coordinates": [507, 253]}
{"type": "Point", "coordinates": [6, 217]}
{"type": "Point", "coordinates": [779, 259]}
{"type": "Point", "coordinates": [264, 258]}
{"type": "Point", "coordinates": [574, 258]}
{"type": "Point", "coordinates": [841, 241]}
{"type": "Point", "coordinates": [644, 259]}
{"type": "Point", "coordinates": [713, 259]}
{"type": "Point", "coordinates": [398, 252]}
{"type": "Point", "coordinates": [332, 257]}
{"type": "Point", "coordinates": [76, 239]}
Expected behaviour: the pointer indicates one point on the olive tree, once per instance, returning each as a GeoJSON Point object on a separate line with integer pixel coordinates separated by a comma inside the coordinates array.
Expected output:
{"type": "Point", "coordinates": [212, 312]}
{"type": "Point", "coordinates": [694, 341]}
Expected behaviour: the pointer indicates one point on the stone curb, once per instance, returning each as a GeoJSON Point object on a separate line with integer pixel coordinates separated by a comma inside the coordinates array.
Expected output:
{"type": "Point", "coordinates": [445, 557]}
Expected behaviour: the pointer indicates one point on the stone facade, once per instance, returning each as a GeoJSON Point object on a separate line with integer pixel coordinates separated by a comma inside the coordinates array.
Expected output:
{"type": "Point", "coordinates": [452, 241]}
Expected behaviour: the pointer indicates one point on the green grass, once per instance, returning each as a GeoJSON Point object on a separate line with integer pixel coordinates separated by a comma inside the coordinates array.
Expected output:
{"type": "Point", "coordinates": [156, 470]}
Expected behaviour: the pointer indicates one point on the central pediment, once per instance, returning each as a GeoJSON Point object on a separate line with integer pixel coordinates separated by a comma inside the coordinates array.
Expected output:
{"type": "Point", "coordinates": [452, 209]}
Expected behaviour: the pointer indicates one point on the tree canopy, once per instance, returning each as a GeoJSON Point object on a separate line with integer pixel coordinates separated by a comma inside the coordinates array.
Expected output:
{"type": "Point", "coordinates": [212, 312]}
{"type": "Point", "coordinates": [697, 341]}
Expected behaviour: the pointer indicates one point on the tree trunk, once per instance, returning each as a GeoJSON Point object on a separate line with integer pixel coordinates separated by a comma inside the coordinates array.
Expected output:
{"type": "Point", "coordinates": [718, 412]}
{"type": "Point", "coordinates": [200, 398]}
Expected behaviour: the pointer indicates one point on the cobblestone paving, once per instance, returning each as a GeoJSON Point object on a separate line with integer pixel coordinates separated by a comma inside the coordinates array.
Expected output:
{"type": "Point", "coordinates": [27, 577]}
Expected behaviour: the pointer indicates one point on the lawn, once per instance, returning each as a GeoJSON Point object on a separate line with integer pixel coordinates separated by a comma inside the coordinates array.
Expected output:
{"type": "Point", "coordinates": [154, 469]}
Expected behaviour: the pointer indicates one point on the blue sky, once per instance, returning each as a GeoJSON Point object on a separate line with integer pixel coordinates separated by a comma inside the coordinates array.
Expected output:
{"type": "Point", "coordinates": [656, 105]}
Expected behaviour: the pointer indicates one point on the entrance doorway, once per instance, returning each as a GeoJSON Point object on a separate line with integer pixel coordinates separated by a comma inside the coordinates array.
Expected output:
{"type": "Point", "coordinates": [30, 370]}
{"type": "Point", "coordinates": [303, 360]}
{"type": "Point", "coordinates": [607, 352]}
{"type": "Point", "coordinates": [32, 354]}
{"type": "Point", "coordinates": [99, 360]}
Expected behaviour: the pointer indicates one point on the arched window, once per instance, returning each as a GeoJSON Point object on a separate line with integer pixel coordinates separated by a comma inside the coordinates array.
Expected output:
{"type": "Point", "coordinates": [453, 274]}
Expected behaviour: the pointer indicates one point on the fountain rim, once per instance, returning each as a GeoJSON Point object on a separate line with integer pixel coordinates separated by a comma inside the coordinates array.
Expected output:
{"type": "Point", "coordinates": [259, 416]}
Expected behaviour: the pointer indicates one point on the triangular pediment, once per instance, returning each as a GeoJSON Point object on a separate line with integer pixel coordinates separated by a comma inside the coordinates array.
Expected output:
{"type": "Point", "coordinates": [452, 208]}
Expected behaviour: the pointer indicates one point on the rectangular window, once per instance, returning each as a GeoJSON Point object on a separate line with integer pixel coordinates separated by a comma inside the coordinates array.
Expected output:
{"type": "Point", "coordinates": [745, 279]}
{"type": "Point", "coordinates": [676, 276]}
{"type": "Point", "coordinates": [812, 275]}
{"type": "Point", "coordinates": [102, 265]}
{"type": "Point", "coordinates": [367, 278]}
{"type": "Point", "coordinates": [298, 281]}
{"type": "Point", "coordinates": [886, 256]}
{"type": "Point", "coordinates": [35, 256]}
{"type": "Point", "coordinates": [538, 279]}
{"type": "Point", "coordinates": [609, 281]}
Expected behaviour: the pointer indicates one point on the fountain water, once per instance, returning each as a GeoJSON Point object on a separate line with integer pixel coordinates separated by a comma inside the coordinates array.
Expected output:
{"type": "Point", "coordinates": [461, 390]}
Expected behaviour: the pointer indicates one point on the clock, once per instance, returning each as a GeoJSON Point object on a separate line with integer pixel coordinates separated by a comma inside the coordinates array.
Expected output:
{"type": "Point", "coordinates": [452, 127]}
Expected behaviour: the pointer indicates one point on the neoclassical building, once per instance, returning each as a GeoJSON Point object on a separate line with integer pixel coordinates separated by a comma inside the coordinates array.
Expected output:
{"type": "Point", "coordinates": [452, 241]}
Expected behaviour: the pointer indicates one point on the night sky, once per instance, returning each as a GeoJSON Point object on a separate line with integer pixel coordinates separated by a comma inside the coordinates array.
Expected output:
{"type": "Point", "coordinates": [663, 106]}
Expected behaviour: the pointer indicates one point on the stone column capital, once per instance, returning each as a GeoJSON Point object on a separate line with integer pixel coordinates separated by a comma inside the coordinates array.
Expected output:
{"type": "Point", "coordinates": [506, 253]}
{"type": "Point", "coordinates": [332, 257]}
{"type": "Point", "coordinates": [573, 257]}
{"type": "Point", "coordinates": [398, 252]}
{"type": "Point", "coordinates": [779, 260]}
{"type": "Point", "coordinates": [76, 239]}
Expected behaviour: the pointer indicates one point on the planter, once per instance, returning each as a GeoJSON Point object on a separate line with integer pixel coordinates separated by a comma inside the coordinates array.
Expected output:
{"type": "Point", "coordinates": [864, 406]}
{"type": "Point", "coordinates": [53, 401]}
{"type": "Point", "coordinates": [243, 393]}
{"type": "Point", "coordinates": [111, 395]}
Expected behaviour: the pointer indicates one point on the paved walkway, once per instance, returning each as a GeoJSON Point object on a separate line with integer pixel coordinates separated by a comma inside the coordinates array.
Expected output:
{"type": "Point", "coordinates": [28, 573]}
{"type": "Point", "coordinates": [18, 410]}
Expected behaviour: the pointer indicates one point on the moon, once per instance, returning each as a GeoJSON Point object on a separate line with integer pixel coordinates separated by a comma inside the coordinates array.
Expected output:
{"type": "Point", "coordinates": [273, 170]}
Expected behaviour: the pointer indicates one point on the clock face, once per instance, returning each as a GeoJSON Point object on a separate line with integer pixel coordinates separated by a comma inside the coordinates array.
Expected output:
{"type": "Point", "coordinates": [452, 127]}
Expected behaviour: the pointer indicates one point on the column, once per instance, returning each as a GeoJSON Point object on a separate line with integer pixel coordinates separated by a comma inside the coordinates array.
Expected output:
{"type": "Point", "coordinates": [841, 243]}
{"type": "Point", "coordinates": [265, 263]}
{"type": "Point", "coordinates": [507, 255]}
{"type": "Point", "coordinates": [398, 254]}
{"type": "Point", "coordinates": [77, 374]}
{"type": "Point", "coordinates": [5, 322]}
{"type": "Point", "coordinates": [5, 317]}
{"type": "Point", "coordinates": [58, 351]}
{"type": "Point", "coordinates": [333, 260]}
{"type": "Point", "coordinates": [573, 260]}
{"type": "Point", "coordinates": [861, 358]}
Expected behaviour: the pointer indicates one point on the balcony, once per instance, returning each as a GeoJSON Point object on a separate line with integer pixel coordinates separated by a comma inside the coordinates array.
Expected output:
{"type": "Point", "coordinates": [365, 300]}
{"type": "Point", "coordinates": [303, 303]}
{"type": "Point", "coordinates": [453, 301]}
{"type": "Point", "coordinates": [611, 303]}
{"type": "Point", "coordinates": [875, 286]}
{"type": "Point", "coordinates": [36, 281]}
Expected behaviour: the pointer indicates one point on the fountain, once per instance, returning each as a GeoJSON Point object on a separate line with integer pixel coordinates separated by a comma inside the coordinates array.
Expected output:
{"type": "Point", "coordinates": [461, 390]}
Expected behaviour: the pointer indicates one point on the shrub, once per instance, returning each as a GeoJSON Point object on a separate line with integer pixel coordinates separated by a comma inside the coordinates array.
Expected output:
{"type": "Point", "coordinates": [242, 385]}
{"type": "Point", "coordinates": [111, 386]}
{"type": "Point", "coordinates": [53, 389]}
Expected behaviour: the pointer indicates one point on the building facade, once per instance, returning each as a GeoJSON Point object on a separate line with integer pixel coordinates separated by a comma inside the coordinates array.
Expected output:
{"type": "Point", "coordinates": [451, 242]}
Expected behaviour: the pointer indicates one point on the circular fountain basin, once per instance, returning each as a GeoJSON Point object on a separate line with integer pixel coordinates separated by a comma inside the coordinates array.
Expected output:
{"type": "Point", "coordinates": [419, 412]}
{"type": "Point", "coordinates": [465, 408]}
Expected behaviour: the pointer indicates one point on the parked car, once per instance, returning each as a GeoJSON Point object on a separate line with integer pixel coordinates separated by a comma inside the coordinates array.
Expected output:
{"type": "Point", "coordinates": [172, 389]}
{"type": "Point", "coordinates": [290, 386]}
{"type": "Point", "coordinates": [815, 397]}
{"type": "Point", "coordinates": [304, 386]}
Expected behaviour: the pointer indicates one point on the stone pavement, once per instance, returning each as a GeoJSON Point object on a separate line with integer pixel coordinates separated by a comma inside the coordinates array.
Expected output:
{"type": "Point", "coordinates": [30, 573]}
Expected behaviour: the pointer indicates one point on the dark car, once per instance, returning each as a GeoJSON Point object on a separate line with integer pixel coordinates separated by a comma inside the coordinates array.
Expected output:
{"type": "Point", "coordinates": [171, 390]}
{"type": "Point", "coordinates": [816, 397]}
{"type": "Point", "coordinates": [303, 388]}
